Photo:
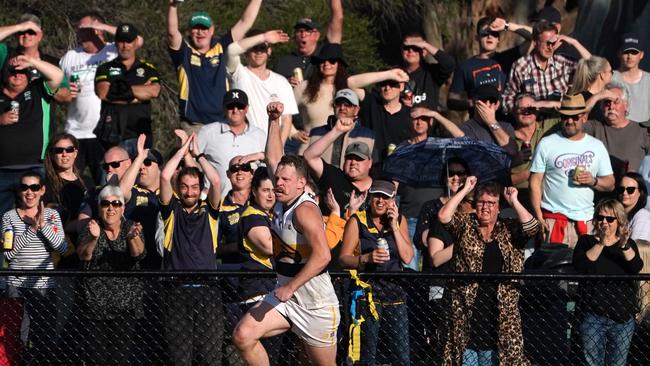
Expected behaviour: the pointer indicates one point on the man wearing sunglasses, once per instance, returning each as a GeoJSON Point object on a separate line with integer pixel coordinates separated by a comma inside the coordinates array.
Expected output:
{"type": "Point", "coordinates": [200, 61]}
{"type": "Point", "coordinates": [567, 168]}
{"type": "Point", "coordinates": [222, 141]}
{"type": "Point", "coordinates": [426, 78]}
{"type": "Point", "coordinates": [24, 120]}
{"type": "Point", "coordinates": [529, 130]}
{"type": "Point", "coordinates": [636, 80]}
{"type": "Point", "coordinates": [261, 84]}
{"type": "Point", "coordinates": [488, 66]}
{"type": "Point", "coordinates": [543, 73]}
{"type": "Point", "coordinates": [305, 36]}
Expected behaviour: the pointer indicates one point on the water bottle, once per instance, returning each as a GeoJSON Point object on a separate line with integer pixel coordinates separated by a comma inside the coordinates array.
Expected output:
{"type": "Point", "coordinates": [383, 244]}
{"type": "Point", "coordinates": [15, 107]}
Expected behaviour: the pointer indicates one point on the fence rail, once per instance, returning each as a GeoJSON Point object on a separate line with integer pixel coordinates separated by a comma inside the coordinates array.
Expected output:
{"type": "Point", "coordinates": [187, 317]}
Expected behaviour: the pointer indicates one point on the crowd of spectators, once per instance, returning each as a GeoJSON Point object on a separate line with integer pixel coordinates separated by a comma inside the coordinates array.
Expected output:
{"type": "Point", "coordinates": [98, 196]}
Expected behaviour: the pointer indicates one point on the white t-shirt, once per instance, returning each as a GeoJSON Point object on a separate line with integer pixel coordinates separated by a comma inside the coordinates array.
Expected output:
{"type": "Point", "coordinates": [639, 97]}
{"type": "Point", "coordinates": [259, 94]}
{"type": "Point", "coordinates": [83, 111]}
{"type": "Point", "coordinates": [640, 225]}
{"type": "Point", "coordinates": [557, 157]}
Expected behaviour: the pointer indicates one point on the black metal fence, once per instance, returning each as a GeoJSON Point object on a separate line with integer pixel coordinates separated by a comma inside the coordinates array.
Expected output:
{"type": "Point", "coordinates": [185, 318]}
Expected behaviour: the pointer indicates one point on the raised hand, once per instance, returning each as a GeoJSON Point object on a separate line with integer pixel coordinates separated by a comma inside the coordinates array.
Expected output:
{"type": "Point", "coordinates": [344, 124]}
{"type": "Point", "coordinates": [276, 36]}
{"type": "Point", "coordinates": [356, 201]}
{"type": "Point", "coordinates": [393, 215]}
{"type": "Point", "coordinates": [135, 231]}
{"type": "Point", "coordinates": [275, 110]}
{"type": "Point", "coordinates": [331, 202]}
{"type": "Point", "coordinates": [140, 145]}
{"type": "Point", "coordinates": [399, 75]}
{"type": "Point", "coordinates": [93, 229]}
{"type": "Point", "coordinates": [182, 135]}
{"type": "Point", "coordinates": [470, 183]}
{"type": "Point", "coordinates": [511, 195]}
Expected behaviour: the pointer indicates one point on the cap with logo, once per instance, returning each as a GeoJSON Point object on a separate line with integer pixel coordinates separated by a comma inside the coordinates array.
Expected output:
{"type": "Point", "coordinates": [200, 18]}
{"type": "Point", "coordinates": [308, 23]}
{"type": "Point", "coordinates": [573, 105]}
{"type": "Point", "coordinates": [126, 33]}
{"type": "Point", "coordinates": [631, 41]}
{"type": "Point", "coordinates": [348, 95]}
{"type": "Point", "coordinates": [359, 149]}
{"type": "Point", "coordinates": [235, 97]}
{"type": "Point", "coordinates": [382, 187]}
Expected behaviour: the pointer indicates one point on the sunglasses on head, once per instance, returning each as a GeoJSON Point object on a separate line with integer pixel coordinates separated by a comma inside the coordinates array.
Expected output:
{"type": "Point", "coordinates": [240, 168]}
{"type": "Point", "coordinates": [411, 48]}
{"type": "Point", "coordinates": [60, 150]}
{"type": "Point", "coordinates": [113, 164]}
{"type": "Point", "coordinates": [631, 52]}
{"type": "Point", "coordinates": [230, 107]}
{"type": "Point", "coordinates": [148, 162]}
{"type": "Point", "coordinates": [629, 190]}
{"type": "Point", "coordinates": [609, 219]}
{"type": "Point", "coordinates": [32, 187]}
{"type": "Point", "coordinates": [29, 32]}
{"type": "Point", "coordinates": [486, 32]}
{"type": "Point", "coordinates": [114, 203]}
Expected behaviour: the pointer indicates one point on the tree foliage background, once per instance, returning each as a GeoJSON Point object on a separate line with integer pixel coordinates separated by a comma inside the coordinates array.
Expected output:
{"type": "Point", "coordinates": [372, 28]}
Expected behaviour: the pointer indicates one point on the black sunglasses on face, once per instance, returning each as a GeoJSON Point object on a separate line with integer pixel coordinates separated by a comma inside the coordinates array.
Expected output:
{"type": "Point", "coordinates": [609, 219]}
{"type": "Point", "coordinates": [631, 52]}
{"type": "Point", "coordinates": [240, 168]}
{"type": "Point", "coordinates": [148, 162]}
{"type": "Point", "coordinates": [411, 48]}
{"type": "Point", "coordinates": [629, 190]}
{"type": "Point", "coordinates": [114, 203]}
{"type": "Point", "coordinates": [29, 32]}
{"type": "Point", "coordinates": [460, 173]}
{"type": "Point", "coordinates": [32, 187]}
{"type": "Point", "coordinates": [527, 111]}
{"type": "Point", "coordinates": [233, 106]}
{"type": "Point", "coordinates": [60, 150]}
{"type": "Point", "coordinates": [485, 32]}
{"type": "Point", "coordinates": [113, 164]}
{"type": "Point", "coordinates": [259, 48]}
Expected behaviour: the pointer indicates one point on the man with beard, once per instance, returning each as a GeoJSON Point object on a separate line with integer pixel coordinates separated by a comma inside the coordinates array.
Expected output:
{"type": "Point", "coordinates": [304, 299]}
{"type": "Point", "coordinates": [626, 141]}
{"type": "Point", "coordinates": [566, 170]}
{"type": "Point", "coordinates": [194, 321]}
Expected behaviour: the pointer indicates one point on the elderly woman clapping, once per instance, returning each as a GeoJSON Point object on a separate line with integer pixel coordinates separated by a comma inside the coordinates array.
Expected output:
{"type": "Point", "coordinates": [111, 305]}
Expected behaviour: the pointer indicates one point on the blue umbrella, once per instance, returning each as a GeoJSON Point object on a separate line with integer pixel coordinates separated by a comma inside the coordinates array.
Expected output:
{"type": "Point", "coordinates": [422, 164]}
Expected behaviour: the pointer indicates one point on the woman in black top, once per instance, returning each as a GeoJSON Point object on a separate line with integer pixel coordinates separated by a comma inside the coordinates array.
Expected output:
{"type": "Point", "coordinates": [608, 307]}
{"type": "Point", "coordinates": [66, 190]}
{"type": "Point", "coordinates": [110, 305]}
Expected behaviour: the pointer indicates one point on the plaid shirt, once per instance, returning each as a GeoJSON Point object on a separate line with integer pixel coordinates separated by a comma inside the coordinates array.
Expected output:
{"type": "Point", "coordinates": [527, 76]}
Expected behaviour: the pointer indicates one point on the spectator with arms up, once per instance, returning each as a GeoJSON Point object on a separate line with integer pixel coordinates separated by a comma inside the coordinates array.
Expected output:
{"type": "Point", "coordinates": [200, 63]}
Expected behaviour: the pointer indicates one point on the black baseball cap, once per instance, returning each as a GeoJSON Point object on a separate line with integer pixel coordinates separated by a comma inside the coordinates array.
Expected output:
{"type": "Point", "coordinates": [126, 33]}
{"type": "Point", "coordinates": [235, 96]}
